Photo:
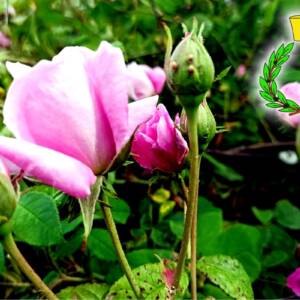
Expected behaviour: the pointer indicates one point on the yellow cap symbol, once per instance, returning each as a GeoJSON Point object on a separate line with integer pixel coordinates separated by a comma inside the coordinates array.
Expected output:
{"type": "Point", "coordinates": [295, 22]}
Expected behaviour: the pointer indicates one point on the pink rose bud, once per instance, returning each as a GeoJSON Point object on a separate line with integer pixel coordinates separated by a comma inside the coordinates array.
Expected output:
{"type": "Point", "coordinates": [291, 91]}
{"type": "Point", "coordinates": [5, 42]}
{"type": "Point", "coordinates": [158, 144]}
{"type": "Point", "coordinates": [144, 81]}
{"type": "Point", "coordinates": [293, 282]}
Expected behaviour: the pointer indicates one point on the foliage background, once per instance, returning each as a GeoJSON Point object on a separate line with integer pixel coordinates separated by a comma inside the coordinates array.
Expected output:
{"type": "Point", "coordinates": [249, 196]}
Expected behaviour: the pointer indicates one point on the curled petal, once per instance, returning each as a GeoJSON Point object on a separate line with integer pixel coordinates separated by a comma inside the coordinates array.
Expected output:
{"type": "Point", "coordinates": [140, 112]}
{"type": "Point", "coordinates": [51, 167]}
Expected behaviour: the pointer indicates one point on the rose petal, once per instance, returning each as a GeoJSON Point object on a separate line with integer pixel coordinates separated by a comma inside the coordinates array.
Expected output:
{"type": "Point", "coordinates": [17, 69]}
{"type": "Point", "coordinates": [293, 282]}
{"type": "Point", "coordinates": [140, 112]}
{"type": "Point", "coordinates": [139, 84]}
{"type": "Point", "coordinates": [106, 71]}
{"type": "Point", "coordinates": [52, 106]}
{"type": "Point", "coordinates": [158, 78]}
{"type": "Point", "coordinates": [51, 167]}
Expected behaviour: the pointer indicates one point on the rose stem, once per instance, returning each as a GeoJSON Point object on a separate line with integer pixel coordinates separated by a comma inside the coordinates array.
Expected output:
{"type": "Point", "coordinates": [12, 249]}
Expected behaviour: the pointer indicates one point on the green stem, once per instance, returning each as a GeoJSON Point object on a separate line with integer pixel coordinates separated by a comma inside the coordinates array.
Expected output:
{"type": "Point", "coordinates": [193, 191]}
{"type": "Point", "coordinates": [12, 249]}
{"type": "Point", "coordinates": [118, 246]}
{"type": "Point", "coordinates": [194, 242]}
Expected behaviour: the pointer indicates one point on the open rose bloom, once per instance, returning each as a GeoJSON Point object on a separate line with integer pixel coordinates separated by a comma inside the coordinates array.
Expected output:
{"type": "Point", "coordinates": [70, 116]}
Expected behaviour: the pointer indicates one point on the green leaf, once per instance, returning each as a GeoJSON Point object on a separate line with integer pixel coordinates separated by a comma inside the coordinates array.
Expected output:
{"type": "Point", "coordinates": [101, 246]}
{"type": "Point", "coordinates": [228, 274]}
{"type": "Point", "coordinates": [273, 105]}
{"type": "Point", "coordinates": [161, 236]}
{"type": "Point", "coordinates": [287, 215]}
{"type": "Point", "coordinates": [287, 110]}
{"type": "Point", "coordinates": [263, 84]}
{"type": "Point", "coordinates": [176, 223]}
{"type": "Point", "coordinates": [88, 205]}
{"type": "Point", "coordinates": [92, 291]}
{"type": "Point", "coordinates": [210, 226]}
{"type": "Point", "coordinates": [279, 51]}
{"type": "Point", "coordinates": [288, 48]}
{"type": "Point", "coordinates": [243, 242]}
{"type": "Point", "coordinates": [161, 195]}
{"type": "Point", "coordinates": [140, 257]}
{"type": "Point", "coordinates": [272, 60]}
{"type": "Point", "coordinates": [36, 220]}
{"type": "Point", "coordinates": [215, 292]}
{"type": "Point", "coordinates": [119, 208]}
{"type": "Point", "coordinates": [2, 259]}
{"type": "Point", "coordinates": [251, 264]}
{"type": "Point", "coordinates": [274, 258]}
{"type": "Point", "coordinates": [150, 281]}
{"type": "Point", "coordinates": [274, 87]}
{"type": "Point", "coordinates": [275, 73]}
{"type": "Point", "coordinates": [283, 60]}
{"type": "Point", "coordinates": [275, 238]}
{"type": "Point", "coordinates": [266, 71]}
{"type": "Point", "coordinates": [166, 208]}
{"type": "Point", "coordinates": [292, 104]}
{"type": "Point", "coordinates": [223, 170]}
{"type": "Point", "coordinates": [266, 96]}
{"type": "Point", "coordinates": [282, 97]}
{"type": "Point", "coordinates": [264, 216]}
{"type": "Point", "coordinates": [223, 73]}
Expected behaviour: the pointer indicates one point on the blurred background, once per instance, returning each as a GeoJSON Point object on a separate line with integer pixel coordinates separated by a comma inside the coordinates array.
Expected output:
{"type": "Point", "coordinates": [249, 204]}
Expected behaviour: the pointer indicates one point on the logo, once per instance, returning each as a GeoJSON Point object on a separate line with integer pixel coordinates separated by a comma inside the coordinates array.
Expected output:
{"type": "Point", "coordinates": [272, 67]}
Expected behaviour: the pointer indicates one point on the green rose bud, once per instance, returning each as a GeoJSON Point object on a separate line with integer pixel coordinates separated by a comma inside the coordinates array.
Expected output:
{"type": "Point", "coordinates": [8, 199]}
{"type": "Point", "coordinates": [206, 126]}
{"type": "Point", "coordinates": [190, 69]}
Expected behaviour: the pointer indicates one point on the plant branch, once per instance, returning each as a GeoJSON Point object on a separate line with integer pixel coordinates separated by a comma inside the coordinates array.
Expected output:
{"type": "Point", "coordinates": [111, 226]}
{"type": "Point", "coordinates": [12, 249]}
{"type": "Point", "coordinates": [194, 242]}
{"type": "Point", "coordinates": [193, 191]}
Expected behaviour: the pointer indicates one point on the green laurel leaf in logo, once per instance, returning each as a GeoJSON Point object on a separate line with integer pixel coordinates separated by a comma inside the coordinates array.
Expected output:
{"type": "Point", "coordinates": [270, 91]}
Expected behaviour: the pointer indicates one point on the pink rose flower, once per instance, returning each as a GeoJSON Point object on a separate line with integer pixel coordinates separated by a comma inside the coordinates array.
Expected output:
{"type": "Point", "coordinates": [158, 144]}
{"type": "Point", "coordinates": [291, 91]}
{"type": "Point", "coordinates": [5, 42]}
{"type": "Point", "coordinates": [71, 117]}
{"type": "Point", "coordinates": [293, 282]}
{"type": "Point", "coordinates": [144, 81]}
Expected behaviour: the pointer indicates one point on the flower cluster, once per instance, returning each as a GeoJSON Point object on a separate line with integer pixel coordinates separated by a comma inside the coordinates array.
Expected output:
{"type": "Point", "coordinates": [71, 118]}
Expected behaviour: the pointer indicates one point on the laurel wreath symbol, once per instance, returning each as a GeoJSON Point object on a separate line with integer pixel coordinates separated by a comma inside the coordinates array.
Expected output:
{"type": "Point", "coordinates": [270, 91]}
